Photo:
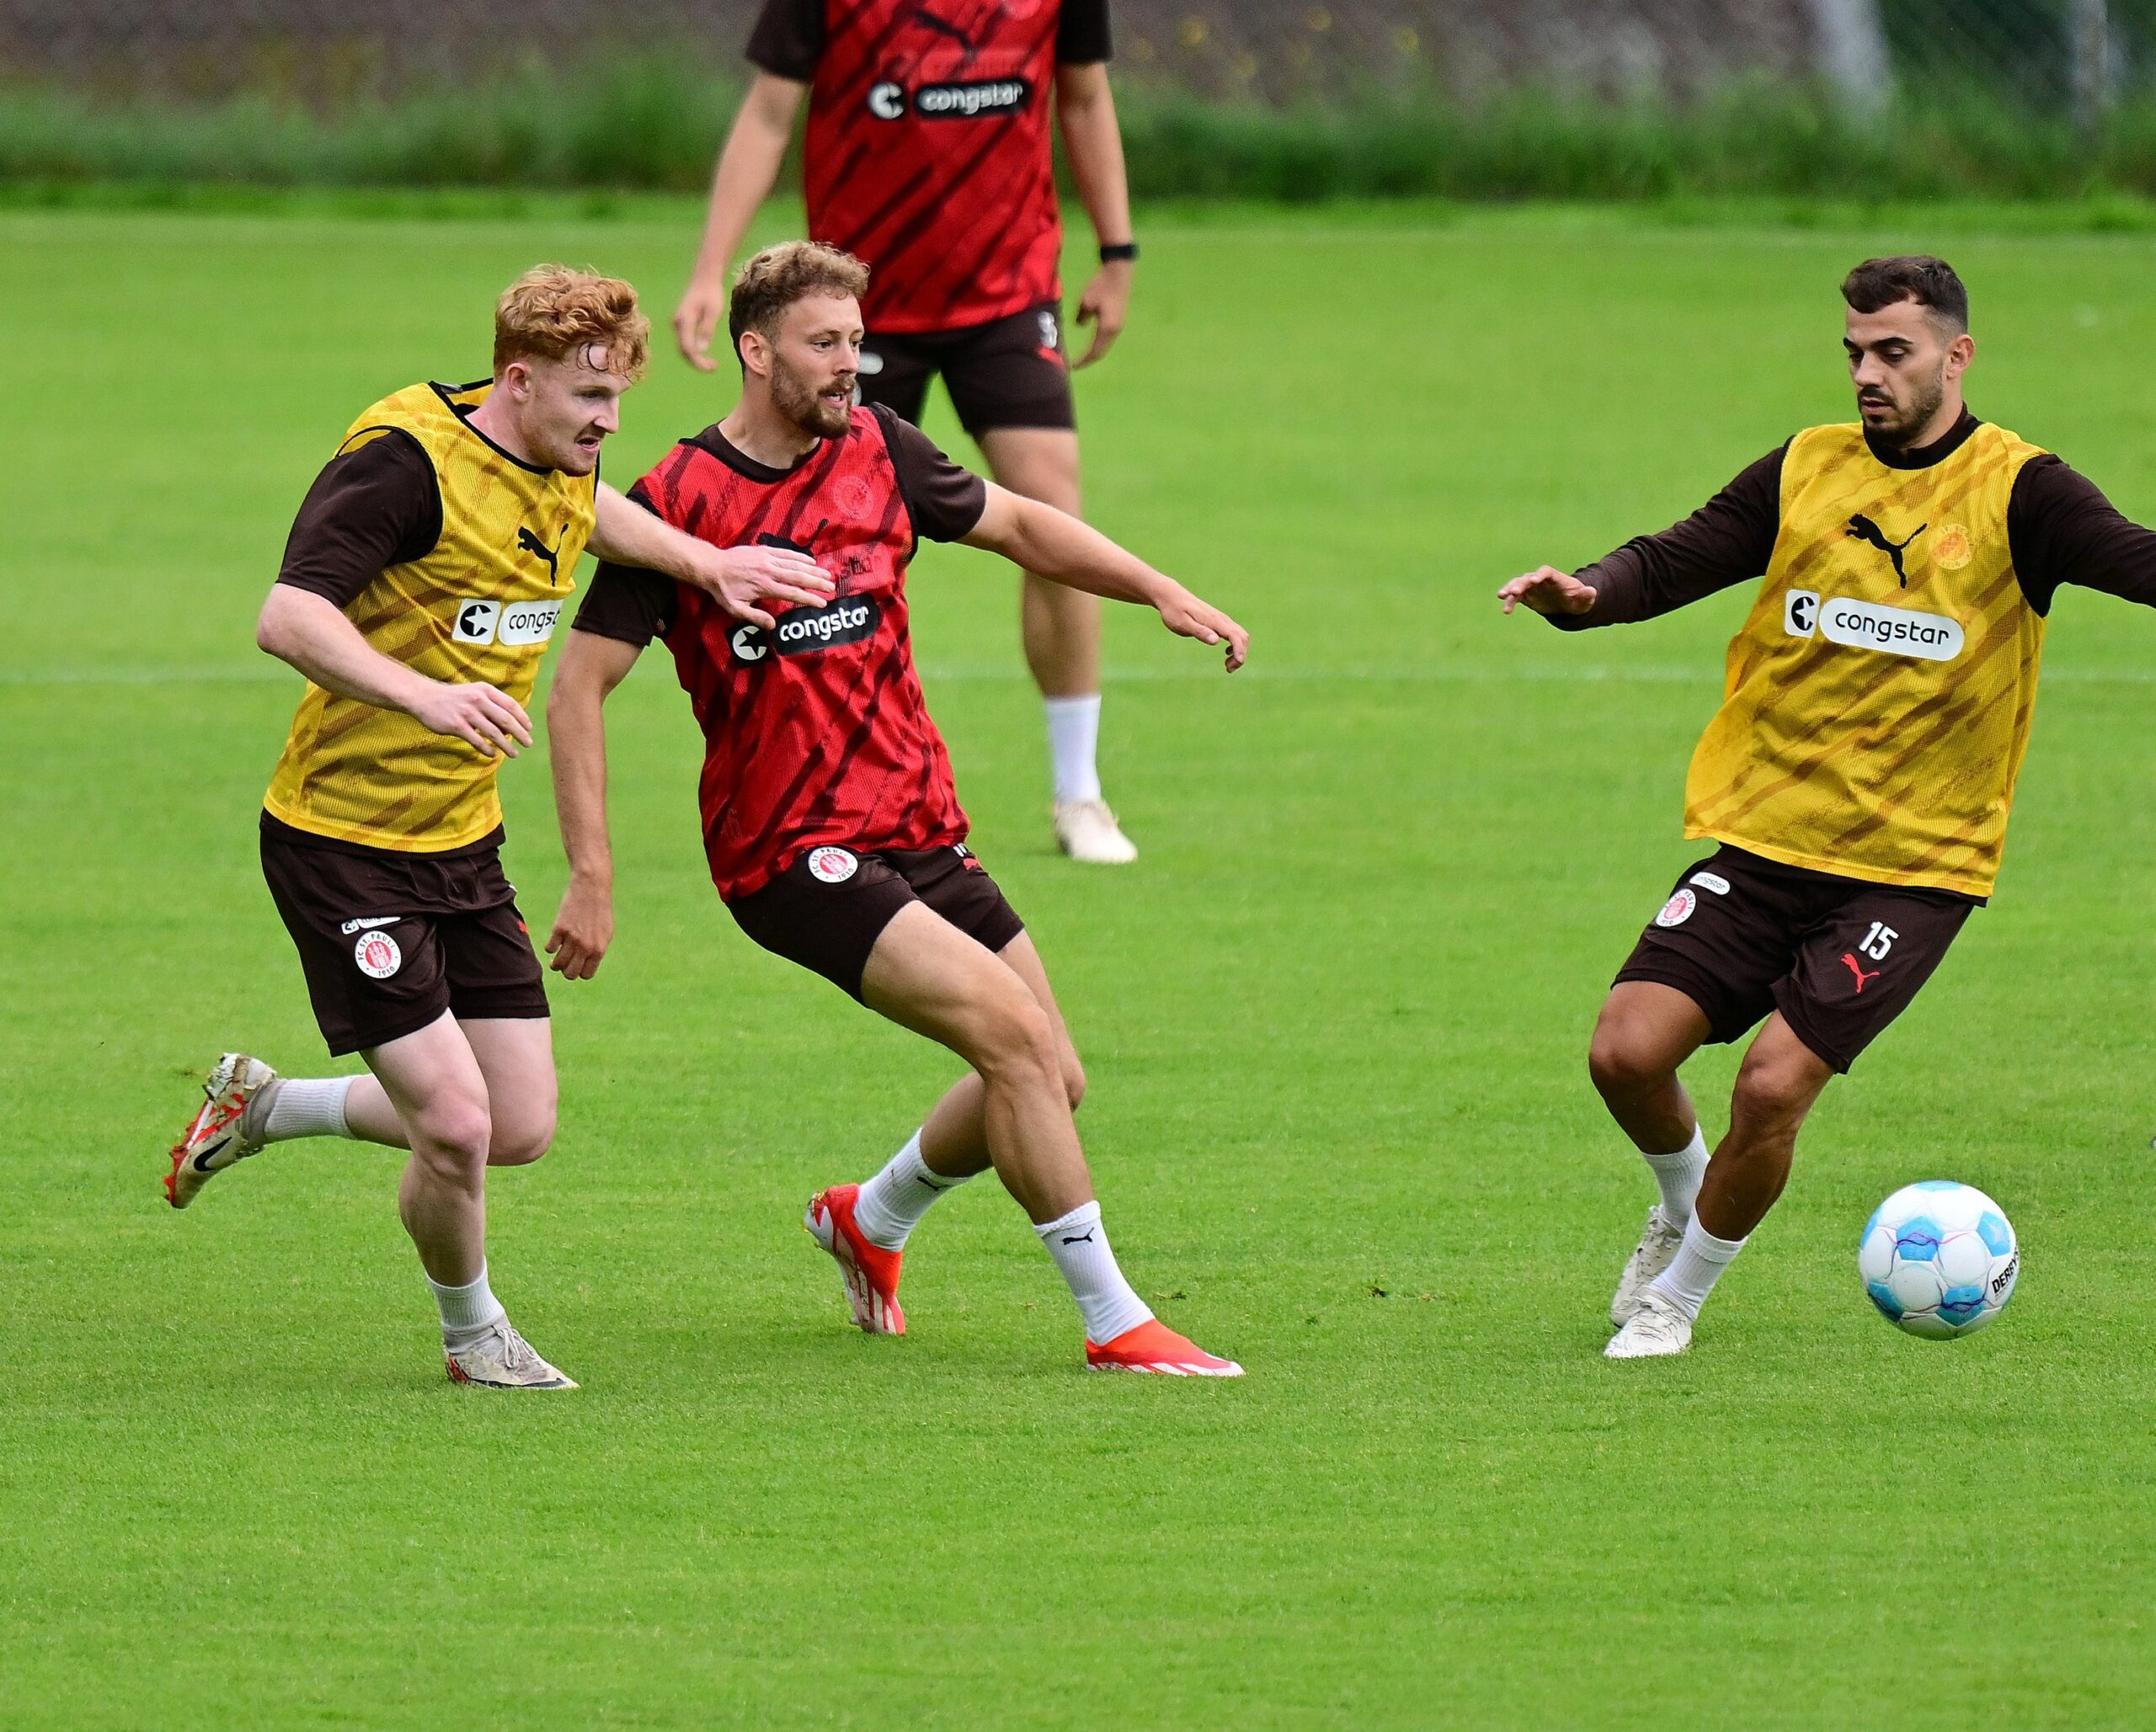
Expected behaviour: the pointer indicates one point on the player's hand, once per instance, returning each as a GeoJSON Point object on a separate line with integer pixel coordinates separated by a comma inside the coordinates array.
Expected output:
{"type": "Point", "coordinates": [583, 930]}
{"type": "Point", "coordinates": [1183, 614]}
{"type": "Point", "coordinates": [1547, 590]}
{"type": "Point", "coordinates": [695, 320]}
{"type": "Point", "coordinates": [1104, 305]}
{"type": "Point", "coordinates": [492, 721]}
{"type": "Point", "coordinates": [737, 578]}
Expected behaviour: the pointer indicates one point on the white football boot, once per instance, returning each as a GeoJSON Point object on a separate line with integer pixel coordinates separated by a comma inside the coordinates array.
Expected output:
{"type": "Point", "coordinates": [1086, 830]}
{"type": "Point", "coordinates": [502, 1359]}
{"type": "Point", "coordinates": [220, 1133]}
{"type": "Point", "coordinates": [1657, 1329]}
{"type": "Point", "coordinates": [1655, 1251]}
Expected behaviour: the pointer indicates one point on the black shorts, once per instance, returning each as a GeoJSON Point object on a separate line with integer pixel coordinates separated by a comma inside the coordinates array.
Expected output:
{"type": "Point", "coordinates": [1009, 372]}
{"type": "Point", "coordinates": [389, 941]}
{"type": "Point", "coordinates": [1839, 957]}
{"type": "Point", "coordinates": [828, 908]}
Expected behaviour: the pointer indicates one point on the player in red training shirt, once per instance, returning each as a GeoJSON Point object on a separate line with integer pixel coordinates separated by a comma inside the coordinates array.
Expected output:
{"type": "Point", "coordinates": [834, 833]}
{"type": "Point", "coordinates": [928, 157]}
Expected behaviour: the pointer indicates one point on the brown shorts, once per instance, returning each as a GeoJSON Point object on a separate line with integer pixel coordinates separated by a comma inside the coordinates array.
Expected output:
{"type": "Point", "coordinates": [1839, 957]}
{"type": "Point", "coordinates": [828, 908]}
{"type": "Point", "coordinates": [1009, 372]}
{"type": "Point", "coordinates": [388, 942]}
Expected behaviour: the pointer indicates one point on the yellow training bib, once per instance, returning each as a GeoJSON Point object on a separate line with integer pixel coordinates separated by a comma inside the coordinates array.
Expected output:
{"type": "Point", "coordinates": [479, 608]}
{"type": "Point", "coordinates": [1879, 697]}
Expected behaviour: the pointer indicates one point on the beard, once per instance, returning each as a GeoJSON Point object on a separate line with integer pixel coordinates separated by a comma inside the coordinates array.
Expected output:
{"type": "Point", "coordinates": [795, 398]}
{"type": "Point", "coordinates": [1923, 403]}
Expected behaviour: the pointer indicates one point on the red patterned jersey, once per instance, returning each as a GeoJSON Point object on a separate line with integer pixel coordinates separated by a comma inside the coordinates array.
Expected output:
{"type": "Point", "coordinates": [814, 731]}
{"type": "Point", "coordinates": [927, 154]}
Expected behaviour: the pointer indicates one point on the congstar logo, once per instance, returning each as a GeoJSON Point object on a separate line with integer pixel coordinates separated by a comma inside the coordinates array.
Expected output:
{"type": "Point", "coordinates": [516, 624]}
{"type": "Point", "coordinates": [807, 630]}
{"type": "Point", "coordinates": [1866, 625]}
{"type": "Point", "coordinates": [968, 100]}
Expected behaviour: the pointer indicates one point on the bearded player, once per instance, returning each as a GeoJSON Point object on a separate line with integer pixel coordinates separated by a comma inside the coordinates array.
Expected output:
{"type": "Point", "coordinates": [928, 155]}
{"type": "Point", "coordinates": [421, 585]}
{"type": "Point", "coordinates": [1858, 774]}
{"type": "Point", "coordinates": [831, 826]}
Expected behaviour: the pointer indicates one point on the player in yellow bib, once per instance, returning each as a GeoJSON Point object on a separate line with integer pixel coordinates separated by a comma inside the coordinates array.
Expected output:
{"type": "Point", "coordinates": [1858, 773]}
{"type": "Point", "coordinates": [423, 578]}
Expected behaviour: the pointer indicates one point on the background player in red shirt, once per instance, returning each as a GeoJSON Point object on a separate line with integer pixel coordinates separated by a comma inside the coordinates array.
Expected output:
{"type": "Point", "coordinates": [833, 830]}
{"type": "Point", "coordinates": [928, 157]}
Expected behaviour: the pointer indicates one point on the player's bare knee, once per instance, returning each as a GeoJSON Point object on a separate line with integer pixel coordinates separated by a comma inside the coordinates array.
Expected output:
{"type": "Point", "coordinates": [1621, 1064]}
{"type": "Point", "coordinates": [453, 1136]}
{"type": "Point", "coordinates": [521, 1144]}
{"type": "Point", "coordinates": [1016, 1041]}
{"type": "Point", "coordinates": [1771, 1094]}
{"type": "Point", "coordinates": [1074, 1078]}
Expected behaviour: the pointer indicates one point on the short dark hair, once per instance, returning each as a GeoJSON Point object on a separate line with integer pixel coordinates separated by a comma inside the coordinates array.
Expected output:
{"type": "Point", "coordinates": [1930, 282]}
{"type": "Point", "coordinates": [778, 276]}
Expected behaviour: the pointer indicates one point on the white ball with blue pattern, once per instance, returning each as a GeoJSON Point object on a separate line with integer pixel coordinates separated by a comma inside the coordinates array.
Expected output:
{"type": "Point", "coordinates": [1938, 1259]}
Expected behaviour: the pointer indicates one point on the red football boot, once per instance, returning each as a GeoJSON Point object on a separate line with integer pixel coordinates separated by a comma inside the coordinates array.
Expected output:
{"type": "Point", "coordinates": [870, 1272]}
{"type": "Point", "coordinates": [1155, 1347]}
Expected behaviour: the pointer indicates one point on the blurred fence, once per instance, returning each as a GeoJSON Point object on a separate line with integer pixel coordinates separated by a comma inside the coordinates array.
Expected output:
{"type": "Point", "coordinates": [2054, 56]}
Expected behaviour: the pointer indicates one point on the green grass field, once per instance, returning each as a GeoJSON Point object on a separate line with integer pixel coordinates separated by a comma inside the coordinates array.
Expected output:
{"type": "Point", "coordinates": [1335, 1018]}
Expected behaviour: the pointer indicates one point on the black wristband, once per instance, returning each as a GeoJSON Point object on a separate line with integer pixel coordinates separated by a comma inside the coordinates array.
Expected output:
{"type": "Point", "coordinates": [1121, 253]}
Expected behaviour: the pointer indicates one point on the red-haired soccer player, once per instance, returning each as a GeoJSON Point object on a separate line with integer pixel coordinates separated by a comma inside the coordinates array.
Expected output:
{"type": "Point", "coordinates": [422, 581]}
{"type": "Point", "coordinates": [833, 833]}
{"type": "Point", "coordinates": [928, 158]}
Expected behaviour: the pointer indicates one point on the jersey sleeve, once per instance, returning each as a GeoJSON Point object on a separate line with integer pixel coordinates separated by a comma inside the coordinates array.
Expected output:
{"type": "Point", "coordinates": [377, 506]}
{"type": "Point", "coordinates": [944, 500]}
{"type": "Point", "coordinates": [788, 39]}
{"type": "Point", "coordinates": [1727, 541]}
{"type": "Point", "coordinates": [1081, 33]}
{"type": "Point", "coordinates": [626, 602]}
{"type": "Point", "coordinates": [2063, 530]}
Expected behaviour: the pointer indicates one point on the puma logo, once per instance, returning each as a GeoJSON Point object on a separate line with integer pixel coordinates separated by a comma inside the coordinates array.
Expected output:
{"type": "Point", "coordinates": [1085, 1238]}
{"type": "Point", "coordinates": [943, 27]}
{"type": "Point", "coordinates": [1857, 969]}
{"type": "Point", "coordinates": [532, 543]}
{"type": "Point", "coordinates": [1863, 529]}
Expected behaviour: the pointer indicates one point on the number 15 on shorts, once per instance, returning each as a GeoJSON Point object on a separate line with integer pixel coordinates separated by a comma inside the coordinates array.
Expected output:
{"type": "Point", "coordinates": [1878, 941]}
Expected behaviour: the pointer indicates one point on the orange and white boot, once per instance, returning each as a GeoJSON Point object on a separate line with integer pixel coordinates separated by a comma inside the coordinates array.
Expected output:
{"type": "Point", "coordinates": [1153, 1346]}
{"type": "Point", "coordinates": [870, 1272]}
{"type": "Point", "coordinates": [217, 1137]}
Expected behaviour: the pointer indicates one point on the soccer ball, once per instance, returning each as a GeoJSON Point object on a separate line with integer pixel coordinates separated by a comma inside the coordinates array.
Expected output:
{"type": "Point", "coordinates": [1938, 1259]}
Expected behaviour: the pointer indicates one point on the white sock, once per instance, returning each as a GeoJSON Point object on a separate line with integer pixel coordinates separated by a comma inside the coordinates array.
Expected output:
{"type": "Point", "coordinates": [466, 1310]}
{"type": "Point", "coordinates": [891, 1204]}
{"type": "Point", "coordinates": [1697, 1266]}
{"type": "Point", "coordinates": [1079, 1245]}
{"type": "Point", "coordinates": [307, 1107]}
{"type": "Point", "coordinates": [1074, 733]}
{"type": "Point", "coordinates": [1679, 1175]}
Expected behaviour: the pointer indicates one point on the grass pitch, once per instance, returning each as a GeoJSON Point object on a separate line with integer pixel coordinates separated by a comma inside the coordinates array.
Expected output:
{"type": "Point", "coordinates": [1335, 1020]}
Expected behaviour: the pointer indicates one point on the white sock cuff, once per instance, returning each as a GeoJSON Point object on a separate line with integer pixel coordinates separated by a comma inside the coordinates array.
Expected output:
{"type": "Point", "coordinates": [470, 1307]}
{"type": "Point", "coordinates": [309, 1106]}
{"type": "Point", "coordinates": [1086, 1214]}
{"type": "Point", "coordinates": [1696, 1149]}
{"type": "Point", "coordinates": [1700, 1243]}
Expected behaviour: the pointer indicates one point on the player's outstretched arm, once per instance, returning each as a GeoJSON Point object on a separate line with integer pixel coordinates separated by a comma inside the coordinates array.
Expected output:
{"type": "Point", "coordinates": [311, 633]}
{"type": "Point", "coordinates": [1092, 142]}
{"type": "Point", "coordinates": [736, 578]}
{"type": "Point", "coordinates": [1547, 590]}
{"type": "Point", "coordinates": [747, 170]}
{"type": "Point", "coordinates": [1056, 546]}
{"type": "Point", "coordinates": [589, 668]}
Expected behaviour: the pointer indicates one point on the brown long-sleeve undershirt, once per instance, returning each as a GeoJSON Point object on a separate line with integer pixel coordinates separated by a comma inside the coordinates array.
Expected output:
{"type": "Point", "coordinates": [2059, 527]}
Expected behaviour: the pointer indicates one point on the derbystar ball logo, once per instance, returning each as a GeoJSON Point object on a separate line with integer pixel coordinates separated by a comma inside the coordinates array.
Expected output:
{"type": "Point", "coordinates": [807, 630]}
{"type": "Point", "coordinates": [1866, 625]}
{"type": "Point", "coordinates": [963, 101]}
